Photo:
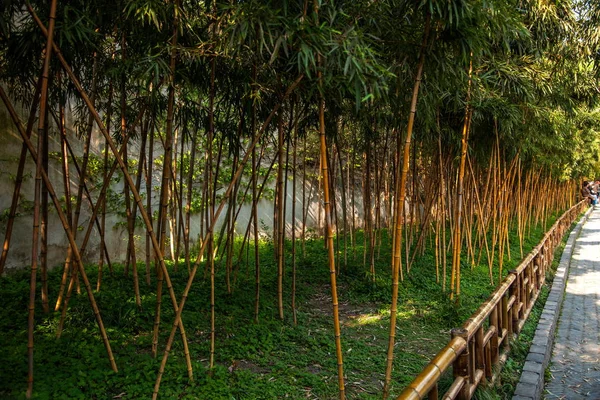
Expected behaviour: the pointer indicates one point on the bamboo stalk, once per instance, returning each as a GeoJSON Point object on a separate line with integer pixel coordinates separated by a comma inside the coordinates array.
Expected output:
{"type": "Point", "coordinates": [456, 250]}
{"type": "Point", "coordinates": [280, 216]}
{"type": "Point", "coordinates": [119, 160]}
{"type": "Point", "coordinates": [211, 218]}
{"type": "Point", "coordinates": [149, 169]}
{"type": "Point", "coordinates": [66, 228]}
{"type": "Point", "coordinates": [330, 245]}
{"type": "Point", "coordinates": [203, 245]}
{"type": "Point", "coordinates": [189, 197]}
{"type": "Point", "coordinates": [42, 133]}
{"type": "Point", "coordinates": [294, 158]}
{"type": "Point", "coordinates": [255, 217]}
{"type": "Point", "coordinates": [104, 179]}
{"type": "Point", "coordinates": [304, 207]}
{"type": "Point", "coordinates": [400, 195]}
{"type": "Point", "coordinates": [344, 200]}
{"type": "Point", "coordinates": [44, 221]}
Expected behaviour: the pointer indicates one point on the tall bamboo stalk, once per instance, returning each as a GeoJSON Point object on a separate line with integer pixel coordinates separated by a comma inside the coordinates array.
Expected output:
{"type": "Point", "coordinates": [400, 195]}
{"type": "Point", "coordinates": [280, 216]}
{"type": "Point", "coordinates": [168, 147]}
{"type": "Point", "coordinates": [188, 204]}
{"type": "Point", "coordinates": [149, 172]}
{"type": "Point", "coordinates": [44, 222]}
{"type": "Point", "coordinates": [330, 246]}
{"type": "Point", "coordinates": [344, 200]}
{"type": "Point", "coordinates": [304, 203]}
{"type": "Point", "coordinates": [42, 132]}
{"type": "Point", "coordinates": [128, 179]}
{"type": "Point", "coordinates": [254, 218]}
{"type": "Point", "coordinates": [456, 246]}
{"type": "Point", "coordinates": [328, 224]}
{"type": "Point", "coordinates": [294, 159]}
{"type": "Point", "coordinates": [104, 179]}
{"type": "Point", "coordinates": [210, 209]}
{"type": "Point", "coordinates": [66, 228]}
{"type": "Point", "coordinates": [210, 228]}
{"type": "Point", "coordinates": [369, 255]}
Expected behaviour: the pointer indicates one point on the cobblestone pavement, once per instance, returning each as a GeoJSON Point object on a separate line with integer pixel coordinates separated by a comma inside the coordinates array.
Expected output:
{"type": "Point", "coordinates": [575, 362]}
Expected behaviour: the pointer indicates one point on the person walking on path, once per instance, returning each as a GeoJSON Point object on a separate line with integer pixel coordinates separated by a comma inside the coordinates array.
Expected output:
{"type": "Point", "coordinates": [586, 193]}
{"type": "Point", "coordinates": [575, 363]}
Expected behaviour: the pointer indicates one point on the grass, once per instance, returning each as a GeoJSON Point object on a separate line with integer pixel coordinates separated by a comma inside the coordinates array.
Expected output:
{"type": "Point", "coordinates": [270, 360]}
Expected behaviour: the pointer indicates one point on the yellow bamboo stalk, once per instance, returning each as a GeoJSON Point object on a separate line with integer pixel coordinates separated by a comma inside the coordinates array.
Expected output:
{"type": "Point", "coordinates": [330, 249]}
{"type": "Point", "coordinates": [481, 226]}
{"type": "Point", "coordinates": [400, 195]}
{"type": "Point", "coordinates": [66, 228]}
{"type": "Point", "coordinates": [461, 173]}
{"type": "Point", "coordinates": [42, 133]}
{"type": "Point", "coordinates": [208, 234]}
{"type": "Point", "coordinates": [280, 216]}
{"type": "Point", "coordinates": [123, 167]}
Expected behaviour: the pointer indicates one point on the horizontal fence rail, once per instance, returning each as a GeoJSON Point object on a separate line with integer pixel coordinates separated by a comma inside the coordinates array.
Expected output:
{"type": "Point", "coordinates": [477, 348]}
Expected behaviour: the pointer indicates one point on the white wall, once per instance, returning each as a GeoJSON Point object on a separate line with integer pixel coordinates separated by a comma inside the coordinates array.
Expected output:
{"type": "Point", "coordinates": [20, 248]}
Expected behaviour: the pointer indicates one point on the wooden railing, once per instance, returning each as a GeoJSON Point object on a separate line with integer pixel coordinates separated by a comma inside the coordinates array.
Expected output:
{"type": "Point", "coordinates": [477, 349]}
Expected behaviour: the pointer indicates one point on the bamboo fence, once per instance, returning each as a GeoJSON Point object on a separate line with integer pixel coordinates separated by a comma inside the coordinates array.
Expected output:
{"type": "Point", "coordinates": [479, 348]}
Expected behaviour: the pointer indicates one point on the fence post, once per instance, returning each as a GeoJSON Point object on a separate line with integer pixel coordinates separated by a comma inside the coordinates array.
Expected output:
{"type": "Point", "coordinates": [480, 351]}
{"type": "Point", "coordinates": [515, 310]}
{"type": "Point", "coordinates": [461, 367]}
{"type": "Point", "coordinates": [506, 321]}
{"type": "Point", "coordinates": [494, 321]}
{"type": "Point", "coordinates": [541, 273]}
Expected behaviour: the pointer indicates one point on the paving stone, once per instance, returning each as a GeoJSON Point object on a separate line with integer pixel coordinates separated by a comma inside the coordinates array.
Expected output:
{"type": "Point", "coordinates": [526, 390]}
{"type": "Point", "coordinates": [576, 352]}
{"type": "Point", "coordinates": [533, 367]}
{"type": "Point", "coordinates": [534, 357]}
{"type": "Point", "coordinates": [538, 349]}
{"type": "Point", "coordinates": [569, 327]}
{"type": "Point", "coordinates": [530, 377]}
{"type": "Point", "coordinates": [522, 398]}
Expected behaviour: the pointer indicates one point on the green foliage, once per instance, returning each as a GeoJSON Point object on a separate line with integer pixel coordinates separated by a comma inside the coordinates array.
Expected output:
{"type": "Point", "coordinates": [268, 359]}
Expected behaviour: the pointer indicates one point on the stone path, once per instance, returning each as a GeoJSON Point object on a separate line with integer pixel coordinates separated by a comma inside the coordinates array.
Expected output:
{"type": "Point", "coordinates": [575, 362]}
{"type": "Point", "coordinates": [568, 334]}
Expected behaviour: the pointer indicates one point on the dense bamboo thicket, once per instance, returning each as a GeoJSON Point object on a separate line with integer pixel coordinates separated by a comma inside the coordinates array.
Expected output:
{"type": "Point", "coordinates": [447, 123]}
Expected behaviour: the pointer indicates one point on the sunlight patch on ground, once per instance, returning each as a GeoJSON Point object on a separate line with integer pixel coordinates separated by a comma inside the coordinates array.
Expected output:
{"type": "Point", "coordinates": [584, 284]}
{"type": "Point", "coordinates": [364, 319]}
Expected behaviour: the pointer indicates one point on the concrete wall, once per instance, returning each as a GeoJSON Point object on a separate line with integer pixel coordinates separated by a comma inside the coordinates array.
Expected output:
{"type": "Point", "coordinates": [116, 235]}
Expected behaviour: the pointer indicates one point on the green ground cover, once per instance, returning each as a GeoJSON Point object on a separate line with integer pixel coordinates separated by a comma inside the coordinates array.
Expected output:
{"type": "Point", "coordinates": [269, 360]}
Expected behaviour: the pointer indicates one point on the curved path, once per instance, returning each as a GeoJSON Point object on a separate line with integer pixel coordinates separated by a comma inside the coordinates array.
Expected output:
{"type": "Point", "coordinates": [570, 321]}
{"type": "Point", "coordinates": [575, 363]}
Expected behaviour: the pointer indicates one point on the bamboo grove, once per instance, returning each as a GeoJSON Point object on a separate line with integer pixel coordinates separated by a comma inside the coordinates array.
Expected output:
{"type": "Point", "coordinates": [447, 123]}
